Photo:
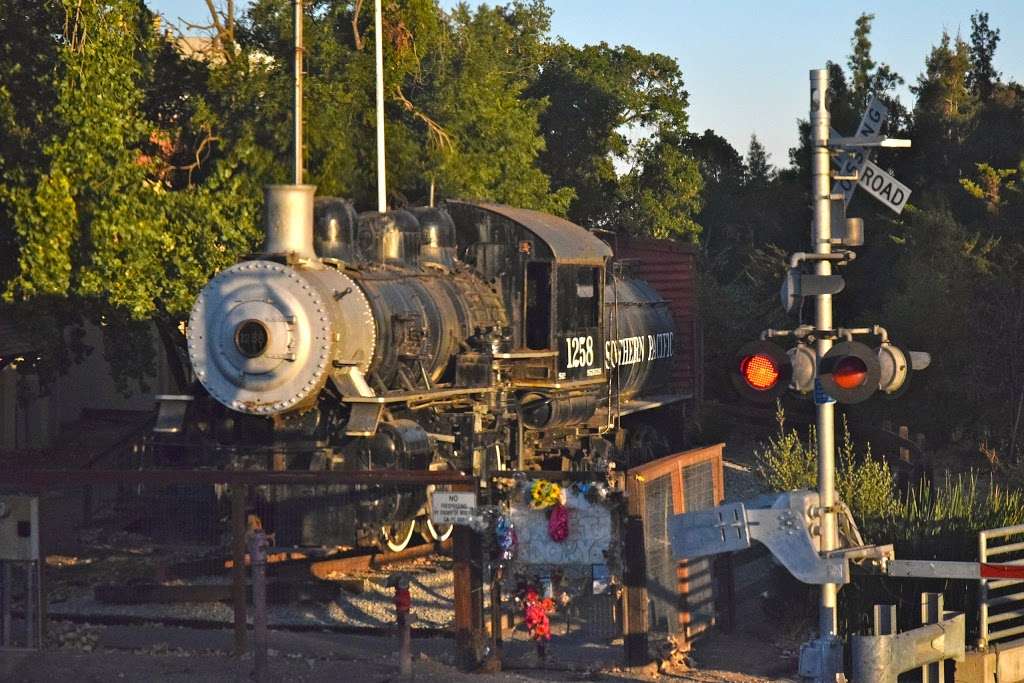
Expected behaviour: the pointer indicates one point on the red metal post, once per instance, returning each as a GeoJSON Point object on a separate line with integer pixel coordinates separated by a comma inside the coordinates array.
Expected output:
{"type": "Point", "coordinates": [403, 603]}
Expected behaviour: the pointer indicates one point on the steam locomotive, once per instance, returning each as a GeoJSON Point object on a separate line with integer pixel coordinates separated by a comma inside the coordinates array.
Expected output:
{"type": "Point", "coordinates": [474, 336]}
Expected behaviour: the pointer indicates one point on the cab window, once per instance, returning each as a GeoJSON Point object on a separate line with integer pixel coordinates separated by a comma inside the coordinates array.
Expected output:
{"type": "Point", "coordinates": [578, 297]}
{"type": "Point", "coordinates": [538, 305]}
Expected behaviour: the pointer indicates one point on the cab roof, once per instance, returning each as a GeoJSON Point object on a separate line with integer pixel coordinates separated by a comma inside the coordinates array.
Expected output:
{"type": "Point", "coordinates": [568, 242]}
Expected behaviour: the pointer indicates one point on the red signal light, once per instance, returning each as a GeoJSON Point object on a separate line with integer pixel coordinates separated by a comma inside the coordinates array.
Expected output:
{"type": "Point", "coordinates": [850, 372]}
{"type": "Point", "coordinates": [759, 371]}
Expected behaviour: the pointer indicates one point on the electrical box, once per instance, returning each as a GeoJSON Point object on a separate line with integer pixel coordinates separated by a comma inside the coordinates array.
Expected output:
{"type": "Point", "coordinates": [19, 528]}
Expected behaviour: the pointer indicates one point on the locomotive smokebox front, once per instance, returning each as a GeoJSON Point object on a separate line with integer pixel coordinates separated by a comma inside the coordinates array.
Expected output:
{"type": "Point", "coordinates": [265, 335]}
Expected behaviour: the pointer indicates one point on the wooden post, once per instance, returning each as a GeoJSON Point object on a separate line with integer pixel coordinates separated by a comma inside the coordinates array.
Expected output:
{"type": "Point", "coordinates": [30, 603]}
{"type": "Point", "coordinates": [404, 645]}
{"type": "Point", "coordinates": [634, 578]}
{"type": "Point", "coordinates": [904, 451]}
{"type": "Point", "coordinates": [238, 495]}
{"type": "Point", "coordinates": [87, 506]}
{"type": "Point", "coordinates": [5, 603]}
{"type": "Point", "coordinates": [469, 605]}
{"type": "Point", "coordinates": [496, 636]}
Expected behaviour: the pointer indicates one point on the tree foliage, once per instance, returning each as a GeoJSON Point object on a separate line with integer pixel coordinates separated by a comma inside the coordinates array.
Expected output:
{"type": "Point", "coordinates": [131, 162]}
{"type": "Point", "coordinates": [613, 107]}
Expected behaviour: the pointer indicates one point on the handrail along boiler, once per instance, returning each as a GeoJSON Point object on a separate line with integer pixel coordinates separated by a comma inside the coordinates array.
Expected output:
{"type": "Point", "coordinates": [475, 336]}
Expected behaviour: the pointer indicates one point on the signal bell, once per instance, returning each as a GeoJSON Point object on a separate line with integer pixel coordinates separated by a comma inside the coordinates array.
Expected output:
{"type": "Point", "coordinates": [850, 372]}
{"type": "Point", "coordinates": [761, 371]}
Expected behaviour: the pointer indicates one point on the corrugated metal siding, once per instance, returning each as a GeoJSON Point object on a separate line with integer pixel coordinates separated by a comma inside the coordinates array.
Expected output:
{"type": "Point", "coordinates": [671, 268]}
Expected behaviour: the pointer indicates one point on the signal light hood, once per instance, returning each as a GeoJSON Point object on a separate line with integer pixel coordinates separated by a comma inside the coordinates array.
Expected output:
{"type": "Point", "coordinates": [850, 372]}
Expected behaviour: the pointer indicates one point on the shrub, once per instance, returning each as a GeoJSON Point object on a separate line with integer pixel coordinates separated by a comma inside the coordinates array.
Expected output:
{"type": "Point", "coordinates": [863, 482]}
{"type": "Point", "coordinates": [786, 463]}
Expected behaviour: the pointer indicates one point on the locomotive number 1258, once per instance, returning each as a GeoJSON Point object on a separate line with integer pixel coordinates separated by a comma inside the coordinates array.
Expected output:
{"type": "Point", "coordinates": [580, 352]}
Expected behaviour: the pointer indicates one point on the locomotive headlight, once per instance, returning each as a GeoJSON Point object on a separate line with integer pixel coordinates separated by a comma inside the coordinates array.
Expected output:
{"type": "Point", "coordinates": [251, 338]}
{"type": "Point", "coordinates": [256, 336]}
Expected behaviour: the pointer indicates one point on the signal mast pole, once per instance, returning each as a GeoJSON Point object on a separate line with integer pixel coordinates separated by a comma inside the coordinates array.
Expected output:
{"type": "Point", "coordinates": [378, 50]}
{"type": "Point", "coordinates": [299, 49]}
{"type": "Point", "coordinates": [821, 236]}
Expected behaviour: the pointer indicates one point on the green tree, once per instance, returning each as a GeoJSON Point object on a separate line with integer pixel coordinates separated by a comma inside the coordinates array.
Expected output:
{"type": "Point", "coordinates": [603, 102]}
{"type": "Point", "coordinates": [456, 114]}
{"type": "Point", "coordinates": [478, 93]}
{"type": "Point", "coordinates": [867, 77]}
{"type": "Point", "coordinates": [944, 113]}
{"type": "Point", "coordinates": [662, 194]}
{"type": "Point", "coordinates": [95, 220]}
{"type": "Point", "coordinates": [28, 55]}
{"type": "Point", "coordinates": [759, 170]}
{"type": "Point", "coordinates": [982, 77]}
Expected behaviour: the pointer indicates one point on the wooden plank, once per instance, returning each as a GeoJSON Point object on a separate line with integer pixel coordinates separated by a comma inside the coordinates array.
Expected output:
{"type": "Point", "coordinates": [669, 463]}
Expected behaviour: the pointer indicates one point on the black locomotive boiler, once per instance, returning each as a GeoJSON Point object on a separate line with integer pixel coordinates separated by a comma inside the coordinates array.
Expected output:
{"type": "Point", "coordinates": [475, 336]}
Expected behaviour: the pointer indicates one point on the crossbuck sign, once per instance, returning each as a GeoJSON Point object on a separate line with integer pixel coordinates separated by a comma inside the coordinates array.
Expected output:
{"type": "Point", "coordinates": [875, 181]}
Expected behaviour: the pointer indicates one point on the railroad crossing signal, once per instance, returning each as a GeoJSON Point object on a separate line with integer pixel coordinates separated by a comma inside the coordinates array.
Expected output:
{"type": "Point", "coordinates": [799, 284]}
{"type": "Point", "coordinates": [851, 372]}
{"type": "Point", "coordinates": [762, 371]}
{"type": "Point", "coordinates": [851, 162]}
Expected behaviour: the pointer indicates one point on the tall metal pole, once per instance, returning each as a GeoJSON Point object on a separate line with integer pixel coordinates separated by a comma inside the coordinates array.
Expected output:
{"type": "Point", "coordinates": [821, 235]}
{"type": "Point", "coordinates": [378, 40]}
{"type": "Point", "coordinates": [298, 91]}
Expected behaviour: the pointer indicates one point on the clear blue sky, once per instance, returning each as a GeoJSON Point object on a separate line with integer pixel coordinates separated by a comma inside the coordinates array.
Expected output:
{"type": "Point", "coordinates": [746, 62]}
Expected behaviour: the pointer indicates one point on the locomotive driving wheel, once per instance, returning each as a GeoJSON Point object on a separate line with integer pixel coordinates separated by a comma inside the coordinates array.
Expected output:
{"type": "Point", "coordinates": [430, 532]}
{"type": "Point", "coordinates": [396, 535]}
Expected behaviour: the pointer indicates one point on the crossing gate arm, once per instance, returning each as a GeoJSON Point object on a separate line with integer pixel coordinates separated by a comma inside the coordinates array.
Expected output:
{"type": "Point", "coordinates": [969, 571]}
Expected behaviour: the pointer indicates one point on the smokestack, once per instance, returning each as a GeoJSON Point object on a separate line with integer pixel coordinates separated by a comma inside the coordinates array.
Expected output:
{"type": "Point", "coordinates": [288, 220]}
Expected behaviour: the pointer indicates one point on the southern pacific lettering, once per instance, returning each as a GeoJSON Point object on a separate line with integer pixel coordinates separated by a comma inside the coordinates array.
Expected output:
{"type": "Point", "coordinates": [638, 349]}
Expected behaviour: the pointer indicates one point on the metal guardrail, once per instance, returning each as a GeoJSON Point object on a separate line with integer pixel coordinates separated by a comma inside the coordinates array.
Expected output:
{"type": "Point", "coordinates": [46, 479]}
{"type": "Point", "coordinates": [882, 657]}
{"type": "Point", "coordinates": [1000, 601]}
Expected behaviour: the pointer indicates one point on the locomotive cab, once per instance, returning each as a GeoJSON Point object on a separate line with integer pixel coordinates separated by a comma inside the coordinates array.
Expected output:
{"type": "Point", "coordinates": [552, 274]}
